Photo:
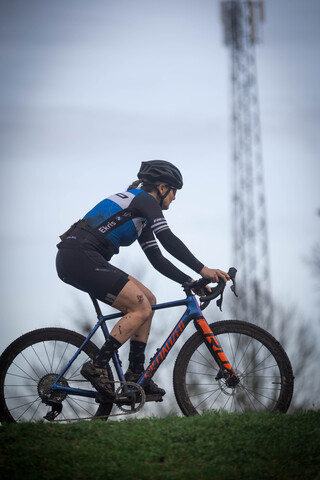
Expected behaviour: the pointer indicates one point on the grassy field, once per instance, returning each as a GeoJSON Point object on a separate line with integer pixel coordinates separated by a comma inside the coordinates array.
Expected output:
{"type": "Point", "coordinates": [211, 446]}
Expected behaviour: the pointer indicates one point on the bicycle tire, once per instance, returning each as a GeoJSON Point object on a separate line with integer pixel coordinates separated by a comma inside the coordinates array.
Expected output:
{"type": "Point", "coordinates": [36, 355]}
{"type": "Point", "coordinates": [266, 378]}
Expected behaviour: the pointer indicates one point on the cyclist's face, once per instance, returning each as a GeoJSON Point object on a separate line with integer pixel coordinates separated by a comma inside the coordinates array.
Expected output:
{"type": "Point", "coordinates": [169, 198]}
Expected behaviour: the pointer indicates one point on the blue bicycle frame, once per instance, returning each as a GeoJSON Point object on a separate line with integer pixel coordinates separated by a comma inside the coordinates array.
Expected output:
{"type": "Point", "coordinates": [192, 312]}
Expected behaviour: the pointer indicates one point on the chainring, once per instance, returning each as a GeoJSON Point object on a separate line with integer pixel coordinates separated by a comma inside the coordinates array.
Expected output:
{"type": "Point", "coordinates": [136, 395]}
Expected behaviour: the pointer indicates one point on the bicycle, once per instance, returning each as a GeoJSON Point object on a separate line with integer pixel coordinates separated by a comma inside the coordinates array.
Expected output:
{"type": "Point", "coordinates": [40, 371]}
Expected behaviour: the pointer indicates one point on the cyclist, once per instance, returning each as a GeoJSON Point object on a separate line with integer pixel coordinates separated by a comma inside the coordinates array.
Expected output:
{"type": "Point", "coordinates": [88, 246]}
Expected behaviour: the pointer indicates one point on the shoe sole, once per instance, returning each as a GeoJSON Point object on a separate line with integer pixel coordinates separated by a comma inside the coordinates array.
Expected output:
{"type": "Point", "coordinates": [102, 390]}
{"type": "Point", "coordinates": [146, 391]}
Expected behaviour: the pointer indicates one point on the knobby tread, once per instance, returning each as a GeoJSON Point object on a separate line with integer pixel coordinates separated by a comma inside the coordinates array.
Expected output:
{"type": "Point", "coordinates": [234, 326]}
{"type": "Point", "coordinates": [32, 338]}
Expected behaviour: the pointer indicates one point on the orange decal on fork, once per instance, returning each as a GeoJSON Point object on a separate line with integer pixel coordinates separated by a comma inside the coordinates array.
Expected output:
{"type": "Point", "coordinates": [211, 339]}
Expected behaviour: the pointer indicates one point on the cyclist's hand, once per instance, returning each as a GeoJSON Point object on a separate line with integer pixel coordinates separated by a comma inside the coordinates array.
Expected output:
{"type": "Point", "coordinates": [201, 291]}
{"type": "Point", "coordinates": [214, 274]}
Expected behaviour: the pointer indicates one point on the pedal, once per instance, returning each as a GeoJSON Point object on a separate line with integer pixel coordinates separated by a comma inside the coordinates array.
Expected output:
{"type": "Point", "coordinates": [154, 398]}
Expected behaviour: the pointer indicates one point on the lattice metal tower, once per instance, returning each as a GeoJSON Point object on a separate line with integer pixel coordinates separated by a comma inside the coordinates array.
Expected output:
{"type": "Point", "coordinates": [242, 28]}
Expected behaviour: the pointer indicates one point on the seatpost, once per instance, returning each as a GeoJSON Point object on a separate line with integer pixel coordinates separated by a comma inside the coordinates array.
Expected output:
{"type": "Point", "coordinates": [96, 306]}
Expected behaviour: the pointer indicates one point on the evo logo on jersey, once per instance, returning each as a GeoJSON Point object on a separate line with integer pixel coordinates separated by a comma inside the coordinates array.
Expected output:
{"type": "Point", "coordinates": [107, 227]}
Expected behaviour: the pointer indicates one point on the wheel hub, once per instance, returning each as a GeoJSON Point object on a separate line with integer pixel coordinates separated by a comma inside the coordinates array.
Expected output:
{"type": "Point", "coordinates": [227, 388]}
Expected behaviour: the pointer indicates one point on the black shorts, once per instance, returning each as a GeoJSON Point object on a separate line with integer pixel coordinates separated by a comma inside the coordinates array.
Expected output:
{"type": "Point", "coordinates": [89, 271]}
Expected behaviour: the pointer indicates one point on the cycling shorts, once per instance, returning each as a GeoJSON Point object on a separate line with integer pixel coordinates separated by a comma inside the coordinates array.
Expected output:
{"type": "Point", "coordinates": [87, 270]}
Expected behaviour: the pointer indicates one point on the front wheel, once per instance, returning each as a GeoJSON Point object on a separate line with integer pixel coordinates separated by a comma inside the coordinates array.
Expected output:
{"type": "Point", "coordinates": [30, 365]}
{"type": "Point", "coordinates": [264, 370]}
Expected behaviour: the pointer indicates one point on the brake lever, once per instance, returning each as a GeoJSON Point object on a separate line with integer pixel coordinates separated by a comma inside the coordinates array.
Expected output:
{"type": "Point", "coordinates": [234, 288]}
{"type": "Point", "coordinates": [232, 274]}
{"type": "Point", "coordinates": [219, 301]}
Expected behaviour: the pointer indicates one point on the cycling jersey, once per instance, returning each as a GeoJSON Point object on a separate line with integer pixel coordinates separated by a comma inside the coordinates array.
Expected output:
{"type": "Point", "coordinates": [135, 214]}
{"type": "Point", "coordinates": [122, 218]}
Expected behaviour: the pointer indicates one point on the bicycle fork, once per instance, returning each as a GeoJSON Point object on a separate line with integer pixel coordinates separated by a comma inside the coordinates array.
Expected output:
{"type": "Point", "coordinates": [225, 369]}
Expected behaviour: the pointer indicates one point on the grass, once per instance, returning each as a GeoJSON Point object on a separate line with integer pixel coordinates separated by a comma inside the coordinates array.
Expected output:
{"type": "Point", "coordinates": [211, 446]}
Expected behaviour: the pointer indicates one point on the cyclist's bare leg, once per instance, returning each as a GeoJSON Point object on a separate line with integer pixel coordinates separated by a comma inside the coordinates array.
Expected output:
{"type": "Point", "coordinates": [133, 300]}
{"type": "Point", "coordinates": [136, 362]}
{"type": "Point", "coordinates": [143, 332]}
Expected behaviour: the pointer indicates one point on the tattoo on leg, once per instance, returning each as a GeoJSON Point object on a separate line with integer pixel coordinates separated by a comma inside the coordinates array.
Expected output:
{"type": "Point", "coordinates": [140, 298]}
{"type": "Point", "coordinates": [120, 329]}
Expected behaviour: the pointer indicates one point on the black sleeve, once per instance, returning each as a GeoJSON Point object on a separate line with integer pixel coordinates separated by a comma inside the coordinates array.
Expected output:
{"type": "Point", "coordinates": [150, 209]}
{"type": "Point", "coordinates": [157, 260]}
{"type": "Point", "coordinates": [178, 250]}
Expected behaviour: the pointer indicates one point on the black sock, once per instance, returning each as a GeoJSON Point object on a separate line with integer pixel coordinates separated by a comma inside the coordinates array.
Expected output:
{"type": "Point", "coordinates": [105, 353]}
{"type": "Point", "coordinates": [136, 356]}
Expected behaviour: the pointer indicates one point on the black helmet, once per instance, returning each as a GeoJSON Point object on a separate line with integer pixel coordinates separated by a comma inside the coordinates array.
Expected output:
{"type": "Point", "coordinates": [161, 171]}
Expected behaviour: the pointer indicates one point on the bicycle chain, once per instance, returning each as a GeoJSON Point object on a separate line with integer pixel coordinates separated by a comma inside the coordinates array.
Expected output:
{"type": "Point", "coordinates": [125, 412]}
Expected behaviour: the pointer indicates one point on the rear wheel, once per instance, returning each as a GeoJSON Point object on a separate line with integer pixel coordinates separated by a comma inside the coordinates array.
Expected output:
{"type": "Point", "coordinates": [264, 370]}
{"type": "Point", "coordinates": [30, 365]}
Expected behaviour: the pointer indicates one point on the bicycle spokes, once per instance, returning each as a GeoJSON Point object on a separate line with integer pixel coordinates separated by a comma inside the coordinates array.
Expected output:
{"type": "Point", "coordinates": [263, 372]}
{"type": "Point", "coordinates": [225, 370]}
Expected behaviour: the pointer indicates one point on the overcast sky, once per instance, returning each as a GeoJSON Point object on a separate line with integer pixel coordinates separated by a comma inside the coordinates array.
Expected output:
{"type": "Point", "coordinates": [90, 89]}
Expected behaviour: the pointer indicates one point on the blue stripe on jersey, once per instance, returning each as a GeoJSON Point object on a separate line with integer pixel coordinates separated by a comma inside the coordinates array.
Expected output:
{"type": "Point", "coordinates": [125, 234]}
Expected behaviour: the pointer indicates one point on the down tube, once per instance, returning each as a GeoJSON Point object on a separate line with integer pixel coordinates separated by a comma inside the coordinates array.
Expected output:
{"type": "Point", "coordinates": [162, 352]}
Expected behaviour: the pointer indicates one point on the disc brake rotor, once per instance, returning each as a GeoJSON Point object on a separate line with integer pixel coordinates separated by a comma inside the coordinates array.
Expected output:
{"type": "Point", "coordinates": [231, 390]}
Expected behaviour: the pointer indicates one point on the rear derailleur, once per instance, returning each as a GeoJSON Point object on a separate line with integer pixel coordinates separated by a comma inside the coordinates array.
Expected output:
{"type": "Point", "coordinates": [56, 409]}
{"type": "Point", "coordinates": [50, 397]}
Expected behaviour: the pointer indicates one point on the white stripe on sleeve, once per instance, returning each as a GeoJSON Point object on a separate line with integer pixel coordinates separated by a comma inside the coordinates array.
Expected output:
{"type": "Point", "coordinates": [150, 244]}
